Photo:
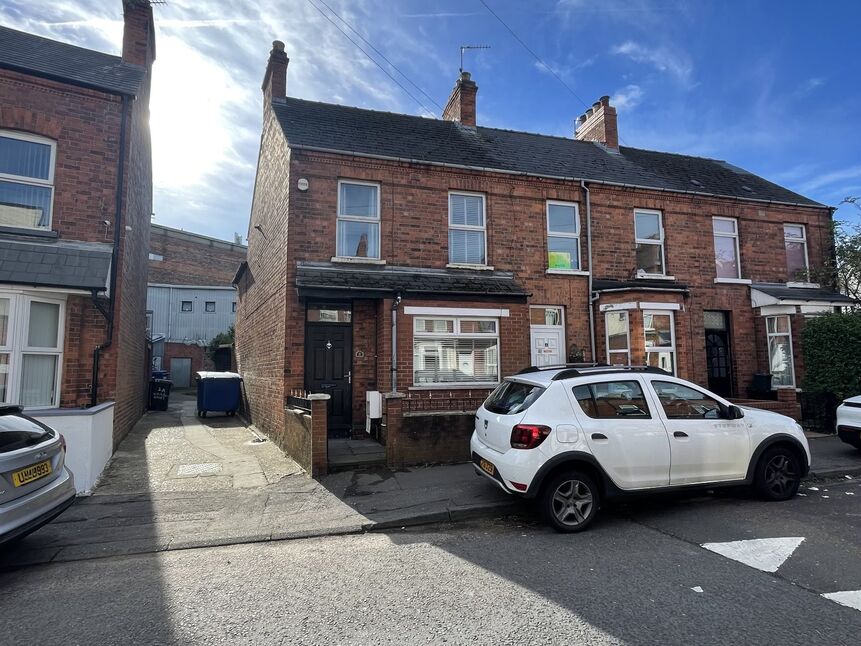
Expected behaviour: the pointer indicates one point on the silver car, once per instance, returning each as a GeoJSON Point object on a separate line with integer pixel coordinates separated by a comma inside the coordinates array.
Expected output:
{"type": "Point", "coordinates": [35, 485]}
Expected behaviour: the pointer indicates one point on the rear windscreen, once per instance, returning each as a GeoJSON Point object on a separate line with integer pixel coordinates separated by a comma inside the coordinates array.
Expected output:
{"type": "Point", "coordinates": [512, 397]}
{"type": "Point", "coordinates": [19, 432]}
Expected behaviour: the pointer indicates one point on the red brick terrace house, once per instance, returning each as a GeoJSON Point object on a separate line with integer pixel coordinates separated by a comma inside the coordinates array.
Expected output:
{"type": "Point", "coordinates": [75, 205]}
{"type": "Point", "coordinates": [428, 258]}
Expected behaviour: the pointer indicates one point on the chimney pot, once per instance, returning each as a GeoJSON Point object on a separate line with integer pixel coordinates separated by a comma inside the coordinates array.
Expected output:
{"type": "Point", "coordinates": [602, 127]}
{"type": "Point", "coordinates": [277, 46]}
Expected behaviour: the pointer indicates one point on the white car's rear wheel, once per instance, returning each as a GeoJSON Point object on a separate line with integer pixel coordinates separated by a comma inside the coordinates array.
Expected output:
{"type": "Point", "coordinates": [570, 501]}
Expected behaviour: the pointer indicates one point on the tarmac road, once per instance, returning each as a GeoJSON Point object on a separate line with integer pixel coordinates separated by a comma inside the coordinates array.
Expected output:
{"type": "Point", "coordinates": [639, 576]}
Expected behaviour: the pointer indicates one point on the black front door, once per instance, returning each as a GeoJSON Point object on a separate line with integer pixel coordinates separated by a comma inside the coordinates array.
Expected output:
{"type": "Point", "coordinates": [718, 361]}
{"type": "Point", "coordinates": [328, 362]}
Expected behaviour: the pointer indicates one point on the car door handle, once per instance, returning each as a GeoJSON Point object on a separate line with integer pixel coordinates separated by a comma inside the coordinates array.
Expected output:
{"type": "Point", "coordinates": [599, 436]}
{"type": "Point", "coordinates": [680, 434]}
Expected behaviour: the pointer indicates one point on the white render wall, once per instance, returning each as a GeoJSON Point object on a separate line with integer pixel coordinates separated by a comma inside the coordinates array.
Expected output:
{"type": "Point", "coordinates": [89, 439]}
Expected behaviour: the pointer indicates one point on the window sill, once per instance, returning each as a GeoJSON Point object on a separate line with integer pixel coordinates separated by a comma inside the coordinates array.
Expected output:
{"type": "Point", "coordinates": [457, 265]}
{"type": "Point", "coordinates": [358, 261]}
{"type": "Point", "coordinates": [790, 283]}
{"type": "Point", "coordinates": [567, 272]}
{"type": "Point", "coordinates": [733, 281]}
{"type": "Point", "coordinates": [654, 277]}
{"type": "Point", "coordinates": [485, 386]}
{"type": "Point", "coordinates": [26, 231]}
{"type": "Point", "coordinates": [784, 388]}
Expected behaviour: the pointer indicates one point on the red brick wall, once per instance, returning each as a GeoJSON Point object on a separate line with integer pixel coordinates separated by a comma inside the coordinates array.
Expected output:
{"type": "Point", "coordinates": [265, 320]}
{"type": "Point", "coordinates": [199, 358]}
{"type": "Point", "coordinates": [86, 126]}
{"type": "Point", "coordinates": [190, 259]}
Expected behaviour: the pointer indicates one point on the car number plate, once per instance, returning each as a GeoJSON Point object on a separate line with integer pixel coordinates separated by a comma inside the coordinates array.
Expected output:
{"type": "Point", "coordinates": [31, 473]}
{"type": "Point", "coordinates": [487, 466]}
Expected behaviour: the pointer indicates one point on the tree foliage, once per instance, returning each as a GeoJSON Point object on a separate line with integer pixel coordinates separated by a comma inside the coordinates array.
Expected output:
{"type": "Point", "coordinates": [222, 338]}
{"type": "Point", "coordinates": [832, 354]}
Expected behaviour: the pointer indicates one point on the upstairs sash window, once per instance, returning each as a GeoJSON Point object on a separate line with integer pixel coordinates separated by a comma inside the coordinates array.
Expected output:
{"type": "Point", "coordinates": [563, 236]}
{"type": "Point", "coordinates": [649, 233]}
{"type": "Point", "coordinates": [467, 234]}
{"type": "Point", "coordinates": [26, 180]}
{"type": "Point", "coordinates": [358, 231]}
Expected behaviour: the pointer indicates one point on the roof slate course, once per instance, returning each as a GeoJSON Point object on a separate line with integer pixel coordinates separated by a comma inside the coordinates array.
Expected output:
{"type": "Point", "coordinates": [411, 138]}
{"type": "Point", "coordinates": [50, 58]}
{"type": "Point", "coordinates": [73, 265]}
{"type": "Point", "coordinates": [813, 294]}
{"type": "Point", "coordinates": [407, 280]}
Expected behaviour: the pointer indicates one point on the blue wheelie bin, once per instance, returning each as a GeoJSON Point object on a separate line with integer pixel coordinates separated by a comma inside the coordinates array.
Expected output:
{"type": "Point", "coordinates": [218, 391]}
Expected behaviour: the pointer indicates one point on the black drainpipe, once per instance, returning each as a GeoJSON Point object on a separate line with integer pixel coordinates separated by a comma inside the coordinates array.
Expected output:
{"type": "Point", "coordinates": [108, 312]}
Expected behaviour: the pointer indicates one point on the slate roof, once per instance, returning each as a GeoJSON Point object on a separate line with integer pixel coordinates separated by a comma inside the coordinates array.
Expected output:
{"type": "Point", "coordinates": [384, 280]}
{"type": "Point", "coordinates": [411, 138]}
{"type": "Point", "coordinates": [73, 265]}
{"type": "Point", "coordinates": [607, 284]}
{"type": "Point", "coordinates": [812, 294]}
{"type": "Point", "coordinates": [40, 56]}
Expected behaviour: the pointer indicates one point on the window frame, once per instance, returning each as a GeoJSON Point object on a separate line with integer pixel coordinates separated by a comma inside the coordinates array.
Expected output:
{"type": "Point", "coordinates": [661, 241]}
{"type": "Point", "coordinates": [34, 181]}
{"type": "Point", "coordinates": [456, 333]}
{"type": "Point", "coordinates": [359, 218]}
{"type": "Point", "coordinates": [621, 380]}
{"type": "Point", "coordinates": [735, 236]}
{"type": "Point", "coordinates": [17, 345]}
{"type": "Point", "coordinates": [705, 395]}
{"type": "Point", "coordinates": [469, 227]}
{"type": "Point", "coordinates": [575, 236]}
{"type": "Point", "coordinates": [206, 309]}
{"type": "Point", "coordinates": [803, 241]}
{"type": "Point", "coordinates": [627, 335]}
{"type": "Point", "coordinates": [672, 348]}
{"type": "Point", "coordinates": [788, 334]}
{"type": "Point", "coordinates": [182, 309]}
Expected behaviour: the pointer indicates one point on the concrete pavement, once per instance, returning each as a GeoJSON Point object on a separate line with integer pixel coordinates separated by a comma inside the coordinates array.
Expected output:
{"type": "Point", "coordinates": [180, 482]}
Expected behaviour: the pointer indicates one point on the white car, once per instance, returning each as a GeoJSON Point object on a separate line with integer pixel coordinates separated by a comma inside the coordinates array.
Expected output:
{"type": "Point", "coordinates": [849, 421]}
{"type": "Point", "coordinates": [571, 437]}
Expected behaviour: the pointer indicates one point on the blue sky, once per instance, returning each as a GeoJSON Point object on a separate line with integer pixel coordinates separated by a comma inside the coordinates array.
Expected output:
{"type": "Point", "coordinates": [773, 87]}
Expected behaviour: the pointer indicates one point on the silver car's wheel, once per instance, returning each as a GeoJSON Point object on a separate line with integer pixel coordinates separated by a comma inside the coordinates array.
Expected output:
{"type": "Point", "coordinates": [571, 501]}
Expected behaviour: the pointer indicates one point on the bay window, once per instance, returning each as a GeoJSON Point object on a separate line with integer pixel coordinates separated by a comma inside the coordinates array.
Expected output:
{"type": "Point", "coordinates": [455, 351]}
{"type": "Point", "coordinates": [31, 350]}
{"type": "Point", "coordinates": [467, 235]}
{"type": "Point", "coordinates": [618, 338]}
{"type": "Point", "coordinates": [660, 340]}
{"type": "Point", "coordinates": [26, 180]}
{"type": "Point", "coordinates": [649, 236]}
{"type": "Point", "coordinates": [779, 336]}
{"type": "Point", "coordinates": [358, 229]}
{"type": "Point", "coordinates": [563, 236]}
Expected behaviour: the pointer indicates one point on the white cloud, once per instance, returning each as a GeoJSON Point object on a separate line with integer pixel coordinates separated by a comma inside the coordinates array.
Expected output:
{"type": "Point", "coordinates": [662, 58]}
{"type": "Point", "coordinates": [832, 177]}
{"type": "Point", "coordinates": [628, 98]}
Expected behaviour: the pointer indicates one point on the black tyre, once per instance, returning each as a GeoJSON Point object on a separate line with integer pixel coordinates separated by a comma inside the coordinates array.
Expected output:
{"type": "Point", "coordinates": [778, 474]}
{"type": "Point", "coordinates": [570, 501]}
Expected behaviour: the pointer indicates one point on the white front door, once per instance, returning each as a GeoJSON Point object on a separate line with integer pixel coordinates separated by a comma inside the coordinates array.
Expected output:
{"type": "Point", "coordinates": [547, 336]}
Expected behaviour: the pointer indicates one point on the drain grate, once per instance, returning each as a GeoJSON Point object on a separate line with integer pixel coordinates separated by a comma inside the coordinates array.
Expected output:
{"type": "Point", "coordinates": [205, 469]}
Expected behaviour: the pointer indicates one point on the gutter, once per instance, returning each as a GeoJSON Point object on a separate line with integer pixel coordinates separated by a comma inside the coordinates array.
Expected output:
{"type": "Point", "coordinates": [592, 297]}
{"type": "Point", "coordinates": [109, 312]}
{"type": "Point", "coordinates": [561, 178]}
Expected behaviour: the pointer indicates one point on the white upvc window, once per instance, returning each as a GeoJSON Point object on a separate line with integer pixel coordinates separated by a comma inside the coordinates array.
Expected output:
{"type": "Point", "coordinates": [795, 243]}
{"type": "Point", "coordinates": [563, 236]}
{"type": "Point", "coordinates": [779, 337]}
{"type": "Point", "coordinates": [358, 228]}
{"type": "Point", "coordinates": [457, 351]}
{"type": "Point", "coordinates": [649, 238]}
{"type": "Point", "coordinates": [31, 350]}
{"type": "Point", "coordinates": [727, 257]}
{"type": "Point", "coordinates": [467, 232]}
{"type": "Point", "coordinates": [660, 339]}
{"type": "Point", "coordinates": [618, 336]}
{"type": "Point", "coordinates": [26, 180]}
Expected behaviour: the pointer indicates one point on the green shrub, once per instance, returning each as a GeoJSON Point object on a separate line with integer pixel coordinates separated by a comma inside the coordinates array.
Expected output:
{"type": "Point", "coordinates": [832, 354]}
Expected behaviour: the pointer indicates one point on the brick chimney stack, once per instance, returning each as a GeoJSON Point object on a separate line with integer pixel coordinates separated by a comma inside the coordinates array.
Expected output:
{"type": "Point", "coordinates": [138, 33]}
{"type": "Point", "coordinates": [275, 80]}
{"type": "Point", "coordinates": [598, 123]}
{"type": "Point", "coordinates": [461, 103]}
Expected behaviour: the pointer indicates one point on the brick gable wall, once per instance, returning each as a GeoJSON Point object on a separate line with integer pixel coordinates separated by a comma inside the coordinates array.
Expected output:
{"type": "Point", "coordinates": [191, 260]}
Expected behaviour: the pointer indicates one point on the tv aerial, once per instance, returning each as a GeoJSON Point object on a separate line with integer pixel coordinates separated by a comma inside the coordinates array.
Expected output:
{"type": "Point", "coordinates": [463, 48]}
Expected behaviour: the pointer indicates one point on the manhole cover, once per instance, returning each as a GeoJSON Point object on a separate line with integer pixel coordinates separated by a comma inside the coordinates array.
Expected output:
{"type": "Point", "coordinates": [205, 469]}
